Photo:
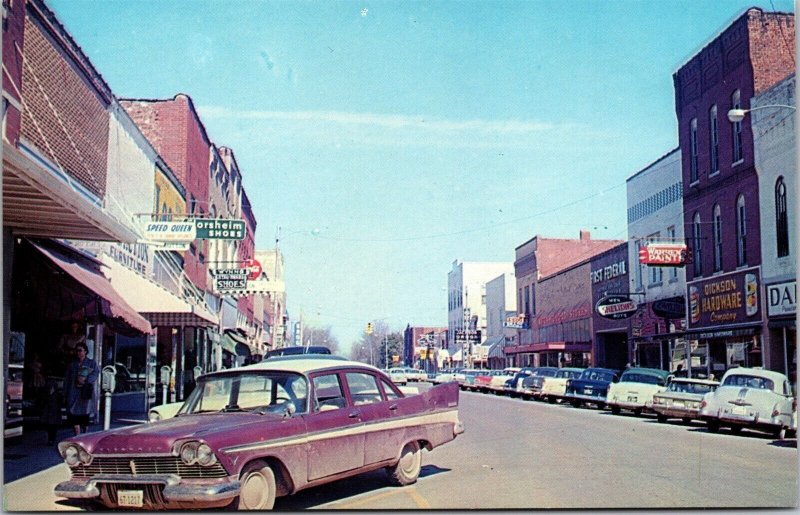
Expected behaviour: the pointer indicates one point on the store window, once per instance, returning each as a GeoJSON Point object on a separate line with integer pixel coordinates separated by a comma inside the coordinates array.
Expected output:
{"type": "Point", "coordinates": [741, 232]}
{"type": "Point", "coordinates": [781, 219]}
{"type": "Point", "coordinates": [717, 229]}
{"type": "Point", "coordinates": [713, 140]}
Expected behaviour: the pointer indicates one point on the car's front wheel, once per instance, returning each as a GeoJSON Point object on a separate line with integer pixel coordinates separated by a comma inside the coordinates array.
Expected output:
{"type": "Point", "coordinates": [407, 469]}
{"type": "Point", "coordinates": [713, 426]}
{"type": "Point", "coordinates": [257, 488]}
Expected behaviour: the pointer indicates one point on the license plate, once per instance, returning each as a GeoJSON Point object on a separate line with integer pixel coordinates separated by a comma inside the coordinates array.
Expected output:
{"type": "Point", "coordinates": [587, 391]}
{"type": "Point", "coordinates": [632, 398]}
{"type": "Point", "coordinates": [130, 498]}
{"type": "Point", "coordinates": [739, 410]}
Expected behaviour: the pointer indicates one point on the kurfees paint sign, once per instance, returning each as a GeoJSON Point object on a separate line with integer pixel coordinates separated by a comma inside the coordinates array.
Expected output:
{"type": "Point", "coordinates": [724, 299]}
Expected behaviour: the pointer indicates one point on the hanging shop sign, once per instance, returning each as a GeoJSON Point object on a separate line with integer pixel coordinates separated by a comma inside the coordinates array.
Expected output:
{"type": "Point", "coordinates": [725, 299]}
{"type": "Point", "coordinates": [219, 229]}
{"type": "Point", "coordinates": [616, 307]}
{"type": "Point", "coordinates": [782, 298]}
{"type": "Point", "coordinates": [254, 268]}
{"type": "Point", "coordinates": [516, 322]}
{"type": "Point", "coordinates": [663, 254]}
{"type": "Point", "coordinates": [230, 279]}
{"type": "Point", "coordinates": [463, 337]}
{"type": "Point", "coordinates": [181, 232]}
{"type": "Point", "coordinates": [670, 308]}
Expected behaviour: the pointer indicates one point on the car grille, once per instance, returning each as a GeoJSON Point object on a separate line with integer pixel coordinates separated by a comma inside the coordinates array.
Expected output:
{"type": "Point", "coordinates": [148, 465]}
{"type": "Point", "coordinates": [152, 495]}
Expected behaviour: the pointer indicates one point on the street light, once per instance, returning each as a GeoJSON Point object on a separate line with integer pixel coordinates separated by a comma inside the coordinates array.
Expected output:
{"type": "Point", "coordinates": [737, 115]}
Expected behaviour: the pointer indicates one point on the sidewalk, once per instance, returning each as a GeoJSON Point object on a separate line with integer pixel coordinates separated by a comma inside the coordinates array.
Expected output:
{"type": "Point", "coordinates": [28, 454]}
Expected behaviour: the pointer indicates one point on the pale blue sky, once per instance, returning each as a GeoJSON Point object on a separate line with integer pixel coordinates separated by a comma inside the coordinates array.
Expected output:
{"type": "Point", "coordinates": [412, 133]}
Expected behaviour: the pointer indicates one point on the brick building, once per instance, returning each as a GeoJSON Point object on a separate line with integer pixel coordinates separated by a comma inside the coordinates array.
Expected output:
{"type": "Point", "coordinates": [720, 183]}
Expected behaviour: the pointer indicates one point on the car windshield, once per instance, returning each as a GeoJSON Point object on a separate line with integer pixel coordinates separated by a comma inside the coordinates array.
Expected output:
{"type": "Point", "coordinates": [597, 375]}
{"type": "Point", "coordinates": [262, 391]}
{"type": "Point", "coordinates": [683, 387]}
{"type": "Point", "coordinates": [634, 377]}
{"type": "Point", "coordinates": [749, 381]}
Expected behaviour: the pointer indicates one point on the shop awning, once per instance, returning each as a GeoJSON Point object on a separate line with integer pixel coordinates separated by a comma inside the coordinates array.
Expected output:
{"type": "Point", "coordinates": [113, 305]}
{"type": "Point", "coordinates": [235, 343]}
{"type": "Point", "coordinates": [159, 305]}
{"type": "Point", "coordinates": [496, 345]}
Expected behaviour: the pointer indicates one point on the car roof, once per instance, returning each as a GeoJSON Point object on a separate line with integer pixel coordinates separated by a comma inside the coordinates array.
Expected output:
{"type": "Point", "coordinates": [302, 364]}
{"type": "Point", "coordinates": [647, 371]}
{"type": "Point", "coordinates": [759, 372]}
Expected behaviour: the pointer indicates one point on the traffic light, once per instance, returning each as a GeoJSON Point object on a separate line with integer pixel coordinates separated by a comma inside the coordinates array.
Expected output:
{"type": "Point", "coordinates": [369, 328]}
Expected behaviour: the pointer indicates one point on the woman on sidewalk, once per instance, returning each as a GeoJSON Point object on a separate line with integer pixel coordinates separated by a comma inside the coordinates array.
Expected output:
{"type": "Point", "coordinates": [79, 382]}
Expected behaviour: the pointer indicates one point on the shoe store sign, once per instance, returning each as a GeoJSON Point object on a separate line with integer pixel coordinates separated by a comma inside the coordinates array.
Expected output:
{"type": "Point", "coordinates": [190, 230]}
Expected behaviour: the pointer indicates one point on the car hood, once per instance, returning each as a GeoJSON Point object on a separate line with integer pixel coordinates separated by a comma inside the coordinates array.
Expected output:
{"type": "Point", "coordinates": [159, 437]}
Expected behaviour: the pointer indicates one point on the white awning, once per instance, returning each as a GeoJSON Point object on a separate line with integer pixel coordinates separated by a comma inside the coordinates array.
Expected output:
{"type": "Point", "coordinates": [157, 304]}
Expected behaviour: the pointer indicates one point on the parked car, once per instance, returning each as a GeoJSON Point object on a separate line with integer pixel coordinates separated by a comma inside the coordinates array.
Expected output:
{"type": "Point", "coordinates": [468, 382]}
{"type": "Point", "coordinates": [482, 380]}
{"type": "Point", "coordinates": [498, 381]}
{"type": "Point", "coordinates": [415, 374]}
{"type": "Point", "coordinates": [247, 435]}
{"type": "Point", "coordinates": [294, 350]}
{"type": "Point", "coordinates": [444, 376]}
{"type": "Point", "coordinates": [554, 388]}
{"type": "Point", "coordinates": [398, 375]}
{"type": "Point", "coordinates": [127, 381]}
{"type": "Point", "coordinates": [163, 411]}
{"type": "Point", "coordinates": [681, 398]}
{"type": "Point", "coordinates": [532, 386]}
{"type": "Point", "coordinates": [513, 386]}
{"type": "Point", "coordinates": [591, 386]}
{"type": "Point", "coordinates": [635, 389]}
{"type": "Point", "coordinates": [13, 413]}
{"type": "Point", "coordinates": [751, 398]}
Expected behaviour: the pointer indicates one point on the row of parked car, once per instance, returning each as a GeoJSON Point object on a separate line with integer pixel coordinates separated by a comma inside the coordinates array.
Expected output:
{"type": "Point", "coordinates": [744, 398]}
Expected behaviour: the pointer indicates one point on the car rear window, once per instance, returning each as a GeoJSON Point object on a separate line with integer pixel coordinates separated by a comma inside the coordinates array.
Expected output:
{"type": "Point", "coordinates": [749, 381]}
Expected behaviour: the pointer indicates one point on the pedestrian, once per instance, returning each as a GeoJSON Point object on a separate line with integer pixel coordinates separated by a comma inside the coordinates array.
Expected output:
{"type": "Point", "coordinates": [51, 413]}
{"type": "Point", "coordinates": [79, 381]}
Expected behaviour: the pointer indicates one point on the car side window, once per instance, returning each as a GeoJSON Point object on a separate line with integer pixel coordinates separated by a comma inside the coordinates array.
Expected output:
{"type": "Point", "coordinates": [363, 388]}
{"type": "Point", "coordinates": [328, 393]}
{"type": "Point", "coordinates": [387, 389]}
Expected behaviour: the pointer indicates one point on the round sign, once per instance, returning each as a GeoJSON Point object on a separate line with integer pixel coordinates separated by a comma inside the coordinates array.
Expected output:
{"type": "Point", "coordinates": [253, 269]}
{"type": "Point", "coordinates": [670, 308]}
{"type": "Point", "coordinates": [616, 307]}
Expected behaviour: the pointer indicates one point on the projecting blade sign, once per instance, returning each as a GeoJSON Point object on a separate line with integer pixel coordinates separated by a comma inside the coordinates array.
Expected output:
{"type": "Point", "coordinates": [248, 280]}
{"type": "Point", "coordinates": [616, 307]}
{"type": "Point", "coordinates": [195, 229]}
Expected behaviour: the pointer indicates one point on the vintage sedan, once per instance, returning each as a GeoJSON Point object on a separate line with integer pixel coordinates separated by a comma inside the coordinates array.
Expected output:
{"type": "Point", "coordinates": [681, 399]}
{"type": "Point", "coordinates": [398, 375]}
{"type": "Point", "coordinates": [750, 398]}
{"type": "Point", "coordinates": [554, 388]}
{"type": "Point", "coordinates": [513, 386]}
{"type": "Point", "coordinates": [247, 435]}
{"type": "Point", "coordinates": [498, 381]}
{"type": "Point", "coordinates": [591, 386]}
{"type": "Point", "coordinates": [635, 389]}
{"type": "Point", "coordinates": [532, 386]}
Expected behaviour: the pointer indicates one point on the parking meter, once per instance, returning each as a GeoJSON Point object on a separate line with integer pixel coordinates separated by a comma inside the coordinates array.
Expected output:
{"type": "Point", "coordinates": [108, 382]}
{"type": "Point", "coordinates": [166, 373]}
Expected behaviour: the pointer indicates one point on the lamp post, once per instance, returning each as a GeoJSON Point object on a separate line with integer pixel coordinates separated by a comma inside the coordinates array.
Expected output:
{"type": "Point", "coordinates": [737, 115]}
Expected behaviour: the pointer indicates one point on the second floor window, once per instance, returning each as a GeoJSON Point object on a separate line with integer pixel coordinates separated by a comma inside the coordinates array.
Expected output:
{"type": "Point", "coordinates": [697, 242]}
{"type": "Point", "coordinates": [717, 238]}
{"type": "Point", "coordinates": [741, 232]}
{"type": "Point", "coordinates": [736, 128]}
{"type": "Point", "coordinates": [781, 218]}
{"type": "Point", "coordinates": [713, 140]}
{"type": "Point", "coordinates": [694, 174]}
{"type": "Point", "coordinates": [673, 274]}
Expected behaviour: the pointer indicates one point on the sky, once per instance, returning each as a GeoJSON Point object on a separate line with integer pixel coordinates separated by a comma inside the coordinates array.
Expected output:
{"type": "Point", "coordinates": [387, 139]}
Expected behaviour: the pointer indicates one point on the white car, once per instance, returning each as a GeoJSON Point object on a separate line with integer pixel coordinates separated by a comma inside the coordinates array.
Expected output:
{"type": "Point", "coordinates": [750, 398]}
{"type": "Point", "coordinates": [413, 374]}
{"type": "Point", "coordinates": [635, 390]}
{"type": "Point", "coordinates": [444, 377]}
{"type": "Point", "coordinates": [681, 399]}
{"type": "Point", "coordinates": [398, 375]}
{"type": "Point", "coordinates": [163, 411]}
{"type": "Point", "coordinates": [498, 382]}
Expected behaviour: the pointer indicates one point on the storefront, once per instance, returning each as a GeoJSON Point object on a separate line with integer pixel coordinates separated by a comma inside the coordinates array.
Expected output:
{"type": "Point", "coordinates": [657, 334]}
{"type": "Point", "coordinates": [609, 277]}
{"type": "Point", "coordinates": [781, 300]}
{"type": "Point", "coordinates": [725, 321]}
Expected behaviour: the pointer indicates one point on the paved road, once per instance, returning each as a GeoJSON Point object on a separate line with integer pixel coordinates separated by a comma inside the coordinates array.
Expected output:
{"type": "Point", "coordinates": [524, 454]}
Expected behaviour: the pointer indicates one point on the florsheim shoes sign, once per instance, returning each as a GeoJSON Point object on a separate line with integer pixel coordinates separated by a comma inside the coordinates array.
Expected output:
{"type": "Point", "coordinates": [198, 229]}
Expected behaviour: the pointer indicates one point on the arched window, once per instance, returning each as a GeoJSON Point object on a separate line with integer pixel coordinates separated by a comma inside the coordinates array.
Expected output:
{"type": "Point", "coordinates": [697, 243]}
{"type": "Point", "coordinates": [781, 218]}
{"type": "Point", "coordinates": [741, 232]}
{"type": "Point", "coordinates": [717, 229]}
{"type": "Point", "coordinates": [693, 173]}
{"type": "Point", "coordinates": [736, 128]}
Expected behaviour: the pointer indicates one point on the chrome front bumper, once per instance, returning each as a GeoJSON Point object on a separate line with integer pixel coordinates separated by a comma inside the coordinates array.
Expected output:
{"type": "Point", "coordinates": [174, 489]}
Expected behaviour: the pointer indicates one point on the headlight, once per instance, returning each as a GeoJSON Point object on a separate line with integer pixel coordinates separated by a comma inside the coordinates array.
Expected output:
{"type": "Point", "coordinates": [153, 416]}
{"type": "Point", "coordinates": [189, 453]}
{"type": "Point", "coordinates": [71, 455]}
{"type": "Point", "coordinates": [205, 456]}
{"type": "Point", "coordinates": [84, 456]}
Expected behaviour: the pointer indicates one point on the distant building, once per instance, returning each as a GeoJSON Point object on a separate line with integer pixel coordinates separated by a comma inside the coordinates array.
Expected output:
{"type": "Point", "coordinates": [421, 347]}
{"type": "Point", "coordinates": [726, 322]}
{"type": "Point", "coordinates": [542, 341]}
{"type": "Point", "coordinates": [501, 303]}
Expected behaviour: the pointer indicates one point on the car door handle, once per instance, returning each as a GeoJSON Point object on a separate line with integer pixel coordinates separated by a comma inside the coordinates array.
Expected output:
{"type": "Point", "coordinates": [354, 414]}
{"type": "Point", "coordinates": [393, 407]}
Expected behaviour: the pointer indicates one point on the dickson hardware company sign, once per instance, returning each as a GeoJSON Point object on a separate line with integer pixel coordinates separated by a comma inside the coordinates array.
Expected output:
{"type": "Point", "coordinates": [663, 254]}
{"type": "Point", "coordinates": [725, 299]}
